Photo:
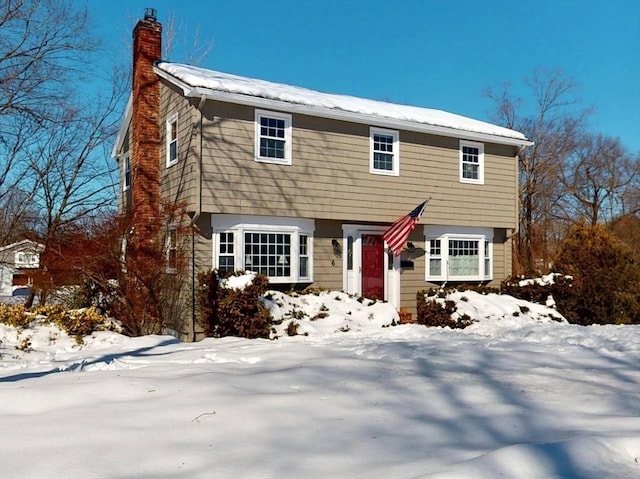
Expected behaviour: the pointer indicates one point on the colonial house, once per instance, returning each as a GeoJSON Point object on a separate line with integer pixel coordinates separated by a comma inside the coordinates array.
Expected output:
{"type": "Point", "coordinates": [17, 263]}
{"type": "Point", "coordinates": [300, 185]}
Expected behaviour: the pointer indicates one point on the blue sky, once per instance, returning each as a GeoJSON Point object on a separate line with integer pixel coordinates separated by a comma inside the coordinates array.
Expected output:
{"type": "Point", "coordinates": [436, 54]}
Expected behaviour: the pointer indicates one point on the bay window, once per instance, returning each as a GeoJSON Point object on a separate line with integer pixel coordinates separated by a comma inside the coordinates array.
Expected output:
{"type": "Point", "coordinates": [279, 248]}
{"type": "Point", "coordinates": [458, 254]}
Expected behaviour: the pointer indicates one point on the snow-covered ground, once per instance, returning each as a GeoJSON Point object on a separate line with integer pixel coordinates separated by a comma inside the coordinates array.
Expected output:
{"type": "Point", "coordinates": [513, 396]}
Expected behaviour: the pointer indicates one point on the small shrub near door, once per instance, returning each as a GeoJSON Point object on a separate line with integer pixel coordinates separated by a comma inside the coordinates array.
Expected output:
{"type": "Point", "coordinates": [435, 310]}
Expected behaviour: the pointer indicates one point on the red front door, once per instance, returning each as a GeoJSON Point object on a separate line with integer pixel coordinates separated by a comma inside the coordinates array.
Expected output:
{"type": "Point", "coordinates": [373, 266]}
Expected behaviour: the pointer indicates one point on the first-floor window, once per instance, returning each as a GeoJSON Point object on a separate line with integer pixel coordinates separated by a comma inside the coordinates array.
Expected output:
{"type": "Point", "coordinates": [459, 255]}
{"type": "Point", "coordinates": [282, 252]}
{"type": "Point", "coordinates": [172, 249]}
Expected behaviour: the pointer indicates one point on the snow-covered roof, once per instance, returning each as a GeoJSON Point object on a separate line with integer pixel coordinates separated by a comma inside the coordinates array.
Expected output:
{"type": "Point", "coordinates": [24, 245]}
{"type": "Point", "coordinates": [201, 82]}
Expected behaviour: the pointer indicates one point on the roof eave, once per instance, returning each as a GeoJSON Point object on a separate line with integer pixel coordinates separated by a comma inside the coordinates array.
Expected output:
{"type": "Point", "coordinates": [126, 120]}
{"type": "Point", "coordinates": [336, 114]}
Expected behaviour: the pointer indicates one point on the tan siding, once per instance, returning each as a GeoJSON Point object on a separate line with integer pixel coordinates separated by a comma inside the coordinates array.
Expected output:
{"type": "Point", "coordinates": [413, 280]}
{"type": "Point", "coordinates": [179, 180]}
{"type": "Point", "coordinates": [327, 267]}
{"type": "Point", "coordinates": [330, 175]}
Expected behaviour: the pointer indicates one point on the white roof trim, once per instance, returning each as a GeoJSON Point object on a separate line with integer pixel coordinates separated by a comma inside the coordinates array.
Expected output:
{"type": "Point", "coordinates": [37, 247]}
{"type": "Point", "coordinates": [240, 90]}
{"type": "Point", "coordinates": [124, 124]}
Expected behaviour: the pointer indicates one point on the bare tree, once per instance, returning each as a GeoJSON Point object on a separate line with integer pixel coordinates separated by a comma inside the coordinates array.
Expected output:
{"type": "Point", "coordinates": [72, 165]}
{"type": "Point", "coordinates": [58, 118]}
{"type": "Point", "coordinates": [45, 49]}
{"type": "Point", "coordinates": [554, 125]}
{"type": "Point", "coordinates": [596, 177]}
{"type": "Point", "coordinates": [194, 50]}
{"type": "Point", "coordinates": [631, 195]}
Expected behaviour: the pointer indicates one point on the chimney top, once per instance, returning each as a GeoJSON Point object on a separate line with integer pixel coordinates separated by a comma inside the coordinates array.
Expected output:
{"type": "Point", "coordinates": [150, 14]}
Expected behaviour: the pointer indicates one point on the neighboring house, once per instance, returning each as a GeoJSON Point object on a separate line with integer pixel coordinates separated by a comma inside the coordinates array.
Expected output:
{"type": "Point", "coordinates": [17, 263]}
{"type": "Point", "coordinates": [300, 185]}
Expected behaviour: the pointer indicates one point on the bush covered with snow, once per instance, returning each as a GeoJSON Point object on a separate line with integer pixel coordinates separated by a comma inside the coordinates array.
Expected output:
{"type": "Point", "coordinates": [449, 307]}
{"type": "Point", "coordinates": [231, 306]}
{"type": "Point", "coordinates": [552, 289]}
{"type": "Point", "coordinates": [434, 309]}
{"type": "Point", "coordinates": [77, 323]}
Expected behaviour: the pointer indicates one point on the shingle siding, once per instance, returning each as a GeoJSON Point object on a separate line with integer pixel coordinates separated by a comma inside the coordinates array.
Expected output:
{"type": "Point", "coordinates": [330, 176]}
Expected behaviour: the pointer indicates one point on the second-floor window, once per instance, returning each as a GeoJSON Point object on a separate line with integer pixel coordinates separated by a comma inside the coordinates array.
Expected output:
{"type": "Point", "coordinates": [172, 140]}
{"type": "Point", "coordinates": [384, 156]}
{"type": "Point", "coordinates": [471, 162]}
{"type": "Point", "coordinates": [273, 137]}
{"type": "Point", "coordinates": [26, 260]}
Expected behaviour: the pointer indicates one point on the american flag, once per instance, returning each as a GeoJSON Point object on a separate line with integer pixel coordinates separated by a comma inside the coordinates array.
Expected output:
{"type": "Point", "coordinates": [397, 234]}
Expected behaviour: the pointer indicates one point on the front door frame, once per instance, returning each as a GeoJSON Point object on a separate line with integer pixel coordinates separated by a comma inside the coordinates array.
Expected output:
{"type": "Point", "coordinates": [352, 278]}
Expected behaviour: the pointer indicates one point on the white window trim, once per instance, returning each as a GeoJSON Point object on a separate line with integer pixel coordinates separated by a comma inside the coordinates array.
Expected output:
{"type": "Point", "coordinates": [395, 171]}
{"type": "Point", "coordinates": [126, 161]}
{"type": "Point", "coordinates": [168, 130]}
{"type": "Point", "coordinates": [26, 259]}
{"type": "Point", "coordinates": [444, 234]}
{"type": "Point", "coordinates": [239, 224]}
{"type": "Point", "coordinates": [480, 146]}
{"type": "Point", "coordinates": [171, 229]}
{"type": "Point", "coordinates": [287, 160]}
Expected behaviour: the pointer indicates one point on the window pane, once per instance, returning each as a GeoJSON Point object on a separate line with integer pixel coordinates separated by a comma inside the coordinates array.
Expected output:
{"type": "Point", "coordinates": [173, 151]}
{"type": "Point", "coordinates": [173, 127]}
{"type": "Point", "coordinates": [350, 253]}
{"type": "Point", "coordinates": [470, 171]}
{"type": "Point", "coordinates": [383, 161]}
{"type": "Point", "coordinates": [464, 258]}
{"type": "Point", "coordinates": [434, 247]}
{"type": "Point", "coordinates": [270, 148]}
{"type": "Point", "coordinates": [435, 267]}
{"type": "Point", "coordinates": [268, 253]}
{"type": "Point", "coordinates": [304, 271]}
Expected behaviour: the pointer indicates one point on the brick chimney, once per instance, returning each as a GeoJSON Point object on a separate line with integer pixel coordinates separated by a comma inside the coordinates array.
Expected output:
{"type": "Point", "coordinates": [145, 131]}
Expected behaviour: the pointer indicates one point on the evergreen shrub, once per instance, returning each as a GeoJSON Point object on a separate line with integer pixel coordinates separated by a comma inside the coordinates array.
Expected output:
{"type": "Point", "coordinates": [606, 278]}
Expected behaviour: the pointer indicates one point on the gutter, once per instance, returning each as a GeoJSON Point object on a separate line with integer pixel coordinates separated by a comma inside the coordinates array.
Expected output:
{"type": "Point", "coordinates": [194, 219]}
